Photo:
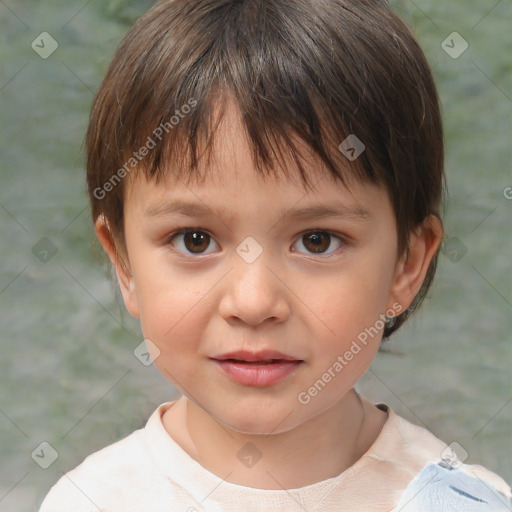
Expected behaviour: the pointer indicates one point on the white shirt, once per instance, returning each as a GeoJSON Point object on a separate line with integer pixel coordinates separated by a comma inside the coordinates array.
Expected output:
{"type": "Point", "coordinates": [148, 471]}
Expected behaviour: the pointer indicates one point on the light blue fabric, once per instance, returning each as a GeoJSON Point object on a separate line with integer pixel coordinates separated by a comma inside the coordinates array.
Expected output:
{"type": "Point", "coordinates": [443, 489]}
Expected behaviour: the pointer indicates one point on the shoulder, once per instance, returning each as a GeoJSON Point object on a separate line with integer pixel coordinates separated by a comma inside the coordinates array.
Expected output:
{"type": "Point", "coordinates": [408, 447]}
{"type": "Point", "coordinates": [107, 479]}
{"type": "Point", "coordinates": [99, 476]}
{"type": "Point", "coordinates": [443, 487]}
{"type": "Point", "coordinates": [433, 478]}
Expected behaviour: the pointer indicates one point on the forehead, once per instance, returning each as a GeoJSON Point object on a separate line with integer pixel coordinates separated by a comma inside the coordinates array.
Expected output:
{"type": "Point", "coordinates": [236, 195]}
{"type": "Point", "coordinates": [231, 181]}
{"type": "Point", "coordinates": [232, 155]}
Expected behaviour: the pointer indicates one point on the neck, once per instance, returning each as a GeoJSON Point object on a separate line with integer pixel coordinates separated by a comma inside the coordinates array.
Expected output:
{"type": "Point", "coordinates": [321, 448]}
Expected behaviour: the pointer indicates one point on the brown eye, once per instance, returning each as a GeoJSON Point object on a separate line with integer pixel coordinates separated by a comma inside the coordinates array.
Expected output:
{"type": "Point", "coordinates": [318, 242]}
{"type": "Point", "coordinates": [193, 241]}
{"type": "Point", "coordinates": [196, 241]}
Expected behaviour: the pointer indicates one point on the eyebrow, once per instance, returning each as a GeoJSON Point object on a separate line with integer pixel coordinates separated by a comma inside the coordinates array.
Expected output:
{"type": "Point", "coordinates": [308, 212]}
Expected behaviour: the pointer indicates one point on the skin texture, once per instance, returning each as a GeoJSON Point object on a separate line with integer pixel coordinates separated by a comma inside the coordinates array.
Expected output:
{"type": "Point", "coordinates": [308, 305]}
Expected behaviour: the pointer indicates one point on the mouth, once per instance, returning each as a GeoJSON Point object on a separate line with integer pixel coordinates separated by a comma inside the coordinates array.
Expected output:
{"type": "Point", "coordinates": [260, 357]}
{"type": "Point", "coordinates": [257, 369]}
{"type": "Point", "coordinates": [267, 361]}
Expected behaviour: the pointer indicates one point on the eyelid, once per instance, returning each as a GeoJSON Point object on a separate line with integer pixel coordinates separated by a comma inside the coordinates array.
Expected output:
{"type": "Point", "coordinates": [336, 234]}
{"type": "Point", "coordinates": [183, 231]}
{"type": "Point", "coordinates": [342, 238]}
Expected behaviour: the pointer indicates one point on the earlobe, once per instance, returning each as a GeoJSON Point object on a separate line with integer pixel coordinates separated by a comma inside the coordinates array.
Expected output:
{"type": "Point", "coordinates": [122, 269]}
{"type": "Point", "coordinates": [413, 266]}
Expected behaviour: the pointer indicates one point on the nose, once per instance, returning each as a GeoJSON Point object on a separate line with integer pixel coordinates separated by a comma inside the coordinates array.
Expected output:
{"type": "Point", "coordinates": [254, 293]}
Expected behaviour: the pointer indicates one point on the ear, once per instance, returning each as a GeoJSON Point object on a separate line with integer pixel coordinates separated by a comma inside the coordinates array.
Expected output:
{"type": "Point", "coordinates": [413, 265]}
{"type": "Point", "coordinates": [123, 272]}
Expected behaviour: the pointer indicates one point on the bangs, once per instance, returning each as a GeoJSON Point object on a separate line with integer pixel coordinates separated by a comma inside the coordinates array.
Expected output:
{"type": "Point", "coordinates": [186, 147]}
{"type": "Point", "coordinates": [172, 98]}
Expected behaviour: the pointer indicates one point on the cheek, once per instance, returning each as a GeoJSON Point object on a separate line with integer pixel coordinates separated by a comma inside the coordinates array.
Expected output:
{"type": "Point", "coordinates": [170, 309]}
{"type": "Point", "coordinates": [173, 318]}
{"type": "Point", "coordinates": [348, 322]}
{"type": "Point", "coordinates": [349, 303]}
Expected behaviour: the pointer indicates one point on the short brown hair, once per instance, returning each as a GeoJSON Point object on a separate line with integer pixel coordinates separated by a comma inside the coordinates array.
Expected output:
{"type": "Point", "coordinates": [316, 70]}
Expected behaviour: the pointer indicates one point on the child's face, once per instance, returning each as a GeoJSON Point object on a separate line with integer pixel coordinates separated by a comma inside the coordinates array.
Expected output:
{"type": "Point", "coordinates": [199, 301]}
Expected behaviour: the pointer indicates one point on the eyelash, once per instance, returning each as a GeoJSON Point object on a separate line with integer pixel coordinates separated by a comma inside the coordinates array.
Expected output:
{"type": "Point", "coordinates": [183, 231]}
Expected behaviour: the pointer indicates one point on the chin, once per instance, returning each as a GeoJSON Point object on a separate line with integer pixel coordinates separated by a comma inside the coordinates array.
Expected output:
{"type": "Point", "coordinates": [258, 421]}
{"type": "Point", "coordinates": [253, 427]}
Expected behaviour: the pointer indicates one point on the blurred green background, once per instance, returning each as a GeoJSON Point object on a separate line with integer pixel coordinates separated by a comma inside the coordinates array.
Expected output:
{"type": "Point", "coordinates": [68, 374]}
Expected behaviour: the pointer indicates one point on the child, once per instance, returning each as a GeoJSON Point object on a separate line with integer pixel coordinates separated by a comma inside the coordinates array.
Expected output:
{"type": "Point", "coordinates": [266, 178]}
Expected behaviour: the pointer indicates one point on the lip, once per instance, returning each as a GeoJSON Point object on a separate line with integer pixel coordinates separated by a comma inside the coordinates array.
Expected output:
{"type": "Point", "coordinates": [250, 357]}
{"type": "Point", "coordinates": [258, 369]}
